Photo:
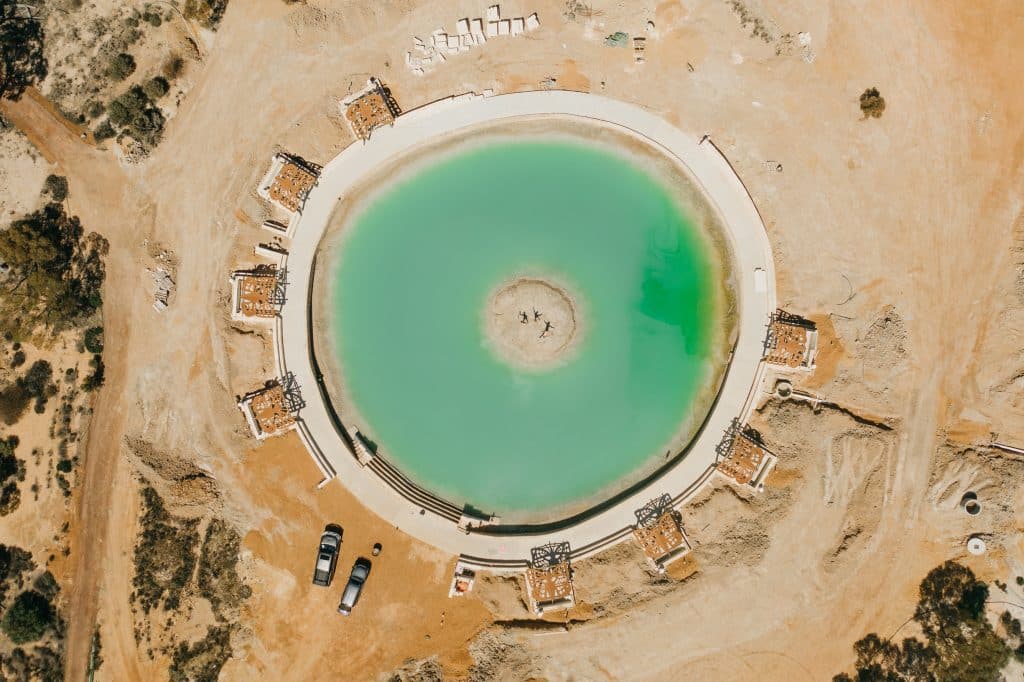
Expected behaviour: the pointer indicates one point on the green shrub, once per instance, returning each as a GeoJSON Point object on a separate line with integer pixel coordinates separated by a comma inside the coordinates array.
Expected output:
{"type": "Point", "coordinates": [206, 12]}
{"type": "Point", "coordinates": [98, 376]}
{"type": "Point", "coordinates": [65, 466]}
{"type": "Point", "coordinates": [104, 131]}
{"type": "Point", "coordinates": [46, 585]}
{"type": "Point", "coordinates": [57, 187]}
{"type": "Point", "coordinates": [173, 67]}
{"type": "Point", "coordinates": [121, 66]}
{"type": "Point", "coordinates": [93, 340]}
{"type": "Point", "coordinates": [10, 498]}
{"type": "Point", "coordinates": [94, 109]}
{"type": "Point", "coordinates": [28, 617]}
{"type": "Point", "coordinates": [14, 561]}
{"type": "Point", "coordinates": [35, 385]}
{"type": "Point", "coordinates": [18, 359]}
{"type": "Point", "coordinates": [165, 555]}
{"type": "Point", "coordinates": [13, 403]}
{"type": "Point", "coordinates": [155, 88]}
{"type": "Point", "coordinates": [218, 578]}
{"type": "Point", "coordinates": [204, 659]}
{"type": "Point", "coordinates": [134, 112]}
{"type": "Point", "coordinates": [118, 114]}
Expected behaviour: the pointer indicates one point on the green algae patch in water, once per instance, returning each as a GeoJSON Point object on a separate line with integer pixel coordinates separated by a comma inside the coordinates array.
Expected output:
{"type": "Point", "coordinates": [414, 287]}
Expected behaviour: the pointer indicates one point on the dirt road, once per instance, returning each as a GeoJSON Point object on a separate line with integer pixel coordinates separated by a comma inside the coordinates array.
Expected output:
{"type": "Point", "coordinates": [97, 192]}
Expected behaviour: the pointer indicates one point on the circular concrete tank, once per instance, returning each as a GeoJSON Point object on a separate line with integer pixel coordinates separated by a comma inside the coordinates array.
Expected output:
{"type": "Point", "coordinates": [783, 388]}
{"type": "Point", "coordinates": [975, 545]}
{"type": "Point", "coordinates": [970, 504]}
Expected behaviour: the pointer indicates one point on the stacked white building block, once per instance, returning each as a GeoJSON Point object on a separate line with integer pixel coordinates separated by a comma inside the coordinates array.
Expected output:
{"type": "Point", "coordinates": [427, 54]}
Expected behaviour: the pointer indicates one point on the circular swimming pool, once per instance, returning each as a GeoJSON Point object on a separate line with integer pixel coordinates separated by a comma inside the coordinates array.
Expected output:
{"type": "Point", "coordinates": [525, 325]}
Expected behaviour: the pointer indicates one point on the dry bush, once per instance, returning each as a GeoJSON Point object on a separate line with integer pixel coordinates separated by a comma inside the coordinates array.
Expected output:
{"type": "Point", "coordinates": [872, 104]}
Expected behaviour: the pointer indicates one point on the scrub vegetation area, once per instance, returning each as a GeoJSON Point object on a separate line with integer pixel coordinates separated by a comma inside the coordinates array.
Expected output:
{"type": "Point", "coordinates": [959, 643]}
{"type": "Point", "coordinates": [51, 281]}
{"type": "Point", "coordinates": [116, 69]}
{"type": "Point", "coordinates": [21, 50]}
{"type": "Point", "coordinates": [178, 565]}
{"type": "Point", "coordinates": [49, 290]}
{"type": "Point", "coordinates": [31, 623]}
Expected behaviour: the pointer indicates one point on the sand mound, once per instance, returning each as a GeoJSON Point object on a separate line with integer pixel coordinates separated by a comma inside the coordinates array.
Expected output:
{"type": "Point", "coordinates": [532, 323]}
{"type": "Point", "coordinates": [185, 487]}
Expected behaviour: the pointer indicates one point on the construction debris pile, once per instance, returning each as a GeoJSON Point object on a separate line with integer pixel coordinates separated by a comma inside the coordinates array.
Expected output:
{"type": "Point", "coordinates": [427, 54]}
{"type": "Point", "coordinates": [164, 288]}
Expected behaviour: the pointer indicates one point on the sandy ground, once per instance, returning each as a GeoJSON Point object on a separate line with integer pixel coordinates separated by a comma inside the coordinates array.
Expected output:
{"type": "Point", "coordinates": [914, 214]}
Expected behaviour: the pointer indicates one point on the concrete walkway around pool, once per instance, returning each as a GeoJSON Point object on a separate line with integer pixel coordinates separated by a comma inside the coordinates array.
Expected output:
{"type": "Point", "coordinates": [756, 294]}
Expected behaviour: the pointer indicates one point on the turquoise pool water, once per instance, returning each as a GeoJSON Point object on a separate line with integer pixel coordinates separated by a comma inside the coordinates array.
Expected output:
{"type": "Point", "coordinates": [416, 269]}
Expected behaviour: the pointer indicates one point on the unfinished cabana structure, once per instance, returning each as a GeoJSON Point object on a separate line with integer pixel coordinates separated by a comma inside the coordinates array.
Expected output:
{"type": "Point", "coordinates": [792, 342]}
{"type": "Point", "coordinates": [370, 108]}
{"type": "Point", "coordinates": [288, 182]}
{"type": "Point", "coordinates": [270, 411]}
{"type": "Point", "coordinates": [659, 533]}
{"type": "Point", "coordinates": [549, 578]}
{"type": "Point", "coordinates": [257, 294]}
{"type": "Point", "coordinates": [462, 580]}
{"type": "Point", "coordinates": [744, 460]}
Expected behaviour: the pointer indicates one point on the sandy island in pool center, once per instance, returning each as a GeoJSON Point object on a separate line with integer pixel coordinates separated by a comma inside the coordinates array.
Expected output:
{"type": "Point", "coordinates": [527, 325]}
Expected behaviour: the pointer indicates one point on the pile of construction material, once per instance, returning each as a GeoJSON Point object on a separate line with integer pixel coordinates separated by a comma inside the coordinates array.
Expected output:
{"type": "Point", "coordinates": [164, 288]}
{"type": "Point", "coordinates": [432, 52]}
{"type": "Point", "coordinates": [639, 45]}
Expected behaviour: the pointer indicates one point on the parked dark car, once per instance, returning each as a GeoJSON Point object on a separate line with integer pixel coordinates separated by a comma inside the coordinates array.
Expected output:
{"type": "Point", "coordinates": [360, 572]}
{"type": "Point", "coordinates": [327, 556]}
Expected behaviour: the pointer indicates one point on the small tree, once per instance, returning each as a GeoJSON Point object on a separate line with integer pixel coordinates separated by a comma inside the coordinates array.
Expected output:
{"type": "Point", "coordinates": [872, 104]}
{"type": "Point", "coordinates": [56, 271]}
{"type": "Point", "coordinates": [28, 617]}
{"type": "Point", "coordinates": [206, 12]}
{"type": "Point", "coordinates": [155, 88]}
{"type": "Point", "coordinates": [22, 62]}
{"type": "Point", "coordinates": [57, 187]}
{"type": "Point", "coordinates": [949, 594]}
{"type": "Point", "coordinates": [93, 340]}
{"type": "Point", "coordinates": [173, 67]}
{"type": "Point", "coordinates": [121, 66]}
{"type": "Point", "coordinates": [961, 644]}
{"type": "Point", "coordinates": [98, 376]}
